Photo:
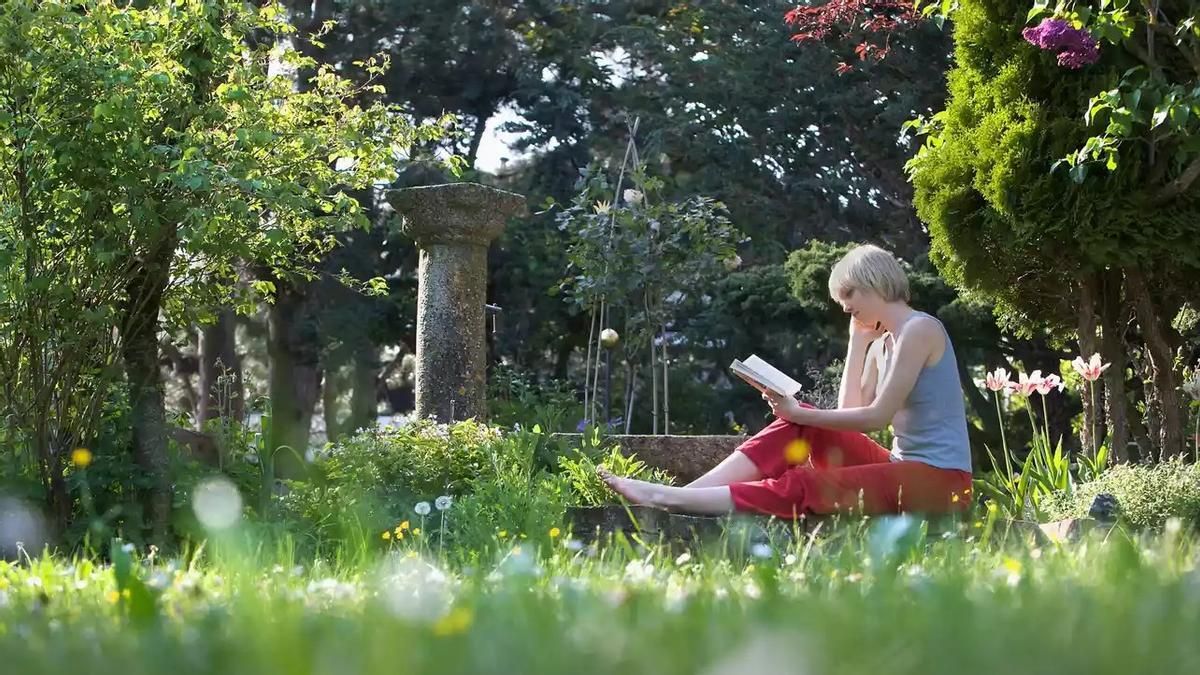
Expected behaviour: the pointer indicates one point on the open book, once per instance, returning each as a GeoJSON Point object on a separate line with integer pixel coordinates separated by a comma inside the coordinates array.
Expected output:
{"type": "Point", "coordinates": [764, 377]}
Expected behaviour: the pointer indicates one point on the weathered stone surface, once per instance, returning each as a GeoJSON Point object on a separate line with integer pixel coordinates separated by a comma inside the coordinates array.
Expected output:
{"type": "Point", "coordinates": [655, 525]}
{"type": "Point", "coordinates": [453, 225]}
{"type": "Point", "coordinates": [455, 213]}
{"type": "Point", "coordinates": [1072, 529]}
{"type": "Point", "coordinates": [685, 457]}
{"type": "Point", "coordinates": [650, 524]}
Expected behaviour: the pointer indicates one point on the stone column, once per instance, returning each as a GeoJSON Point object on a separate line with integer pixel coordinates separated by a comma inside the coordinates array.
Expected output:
{"type": "Point", "coordinates": [453, 225]}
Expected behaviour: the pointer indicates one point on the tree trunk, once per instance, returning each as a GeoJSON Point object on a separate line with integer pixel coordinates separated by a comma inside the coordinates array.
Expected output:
{"type": "Point", "coordinates": [1162, 364]}
{"type": "Point", "coordinates": [1112, 347]}
{"type": "Point", "coordinates": [364, 393]}
{"type": "Point", "coordinates": [1087, 347]}
{"type": "Point", "coordinates": [1153, 407]}
{"type": "Point", "coordinates": [481, 120]}
{"type": "Point", "coordinates": [330, 392]}
{"type": "Point", "coordinates": [221, 392]}
{"type": "Point", "coordinates": [982, 407]}
{"type": "Point", "coordinates": [139, 350]}
{"type": "Point", "coordinates": [295, 378]}
{"type": "Point", "coordinates": [1142, 449]}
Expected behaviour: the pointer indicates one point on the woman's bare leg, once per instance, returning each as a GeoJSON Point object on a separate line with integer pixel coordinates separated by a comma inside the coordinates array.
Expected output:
{"type": "Point", "coordinates": [705, 501]}
{"type": "Point", "coordinates": [736, 468]}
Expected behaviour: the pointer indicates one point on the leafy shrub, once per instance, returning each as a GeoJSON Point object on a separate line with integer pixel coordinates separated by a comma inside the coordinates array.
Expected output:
{"type": "Point", "coordinates": [367, 481]}
{"type": "Point", "coordinates": [513, 498]}
{"type": "Point", "coordinates": [1149, 495]}
{"type": "Point", "coordinates": [514, 399]}
{"type": "Point", "coordinates": [579, 472]}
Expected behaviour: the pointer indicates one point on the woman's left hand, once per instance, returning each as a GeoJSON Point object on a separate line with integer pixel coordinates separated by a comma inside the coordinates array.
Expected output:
{"type": "Point", "coordinates": [784, 407]}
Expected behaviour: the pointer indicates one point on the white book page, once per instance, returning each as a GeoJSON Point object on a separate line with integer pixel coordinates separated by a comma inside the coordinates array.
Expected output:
{"type": "Point", "coordinates": [772, 376]}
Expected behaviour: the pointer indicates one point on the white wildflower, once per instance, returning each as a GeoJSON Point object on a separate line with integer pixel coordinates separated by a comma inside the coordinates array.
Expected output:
{"type": "Point", "coordinates": [422, 508]}
{"type": "Point", "coordinates": [760, 550]}
{"type": "Point", "coordinates": [639, 571]}
{"type": "Point", "coordinates": [683, 558]}
{"type": "Point", "coordinates": [633, 197]}
{"type": "Point", "coordinates": [444, 502]}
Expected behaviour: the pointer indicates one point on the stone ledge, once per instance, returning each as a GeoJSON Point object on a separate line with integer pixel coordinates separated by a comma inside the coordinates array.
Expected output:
{"type": "Point", "coordinates": [684, 457]}
{"type": "Point", "coordinates": [652, 525]}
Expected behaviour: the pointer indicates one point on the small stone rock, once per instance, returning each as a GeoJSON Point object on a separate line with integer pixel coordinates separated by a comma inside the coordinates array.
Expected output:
{"type": "Point", "coordinates": [1105, 508]}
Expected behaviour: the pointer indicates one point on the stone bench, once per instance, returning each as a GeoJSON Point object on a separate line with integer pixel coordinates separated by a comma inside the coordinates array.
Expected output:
{"type": "Point", "coordinates": [651, 525]}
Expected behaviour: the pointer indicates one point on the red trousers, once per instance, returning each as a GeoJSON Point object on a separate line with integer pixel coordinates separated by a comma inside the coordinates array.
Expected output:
{"type": "Point", "coordinates": [808, 470]}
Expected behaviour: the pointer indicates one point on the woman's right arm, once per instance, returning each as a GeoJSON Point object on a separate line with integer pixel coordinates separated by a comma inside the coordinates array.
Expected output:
{"type": "Point", "coordinates": [850, 394]}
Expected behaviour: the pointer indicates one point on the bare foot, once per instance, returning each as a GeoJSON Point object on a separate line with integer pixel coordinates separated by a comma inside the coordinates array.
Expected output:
{"type": "Point", "coordinates": [636, 491]}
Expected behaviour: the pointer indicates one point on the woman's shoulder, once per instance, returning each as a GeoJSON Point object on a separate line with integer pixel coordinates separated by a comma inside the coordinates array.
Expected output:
{"type": "Point", "coordinates": [922, 325]}
{"type": "Point", "coordinates": [926, 336]}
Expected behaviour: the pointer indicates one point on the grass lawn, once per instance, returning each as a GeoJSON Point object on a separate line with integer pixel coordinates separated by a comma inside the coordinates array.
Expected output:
{"type": "Point", "coordinates": [877, 598]}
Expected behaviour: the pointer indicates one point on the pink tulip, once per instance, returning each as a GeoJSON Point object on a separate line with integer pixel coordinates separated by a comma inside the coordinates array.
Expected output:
{"type": "Point", "coordinates": [1026, 384]}
{"type": "Point", "coordinates": [1049, 383]}
{"type": "Point", "coordinates": [997, 380]}
{"type": "Point", "coordinates": [1090, 370]}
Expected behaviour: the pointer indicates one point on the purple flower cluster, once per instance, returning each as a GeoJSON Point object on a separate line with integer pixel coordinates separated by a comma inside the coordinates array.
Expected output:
{"type": "Point", "coordinates": [1076, 47]}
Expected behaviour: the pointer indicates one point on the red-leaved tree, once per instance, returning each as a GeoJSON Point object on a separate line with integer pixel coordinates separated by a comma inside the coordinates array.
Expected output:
{"type": "Point", "coordinates": [871, 23]}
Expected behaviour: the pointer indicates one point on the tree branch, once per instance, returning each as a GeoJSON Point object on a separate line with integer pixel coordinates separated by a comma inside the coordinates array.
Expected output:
{"type": "Point", "coordinates": [1178, 186]}
{"type": "Point", "coordinates": [1168, 31]}
{"type": "Point", "coordinates": [1140, 52]}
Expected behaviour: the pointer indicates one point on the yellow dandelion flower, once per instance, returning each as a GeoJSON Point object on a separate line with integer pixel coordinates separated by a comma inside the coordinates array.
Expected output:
{"type": "Point", "coordinates": [386, 535]}
{"type": "Point", "coordinates": [797, 451]}
{"type": "Point", "coordinates": [112, 597]}
{"type": "Point", "coordinates": [503, 533]}
{"type": "Point", "coordinates": [455, 621]}
{"type": "Point", "coordinates": [81, 457]}
{"type": "Point", "coordinates": [554, 532]}
{"type": "Point", "coordinates": [1012, 565]}
{"type": "Point", "coordinates": [979, 523]}
{"type": "Point", "coordinates": [402, 526]}
{"type": "Point", "coordinates": [954, 498]}
{"type": "Point", "coordinates": [416, 531]}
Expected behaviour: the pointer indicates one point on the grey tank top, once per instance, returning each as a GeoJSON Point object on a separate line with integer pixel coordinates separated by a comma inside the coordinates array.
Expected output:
{"type": "Point", "coordinates": [931, 426]}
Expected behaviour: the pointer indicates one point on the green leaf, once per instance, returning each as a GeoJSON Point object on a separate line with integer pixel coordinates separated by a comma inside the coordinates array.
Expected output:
{"type": "Point", "coordinates": [1179, 115]}
{"type": "Point", "coordinates": [1160, 115]}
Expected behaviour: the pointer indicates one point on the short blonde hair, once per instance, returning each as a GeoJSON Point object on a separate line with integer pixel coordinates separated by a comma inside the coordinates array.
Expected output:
{"type": "Point", "coordinates": [869, 267]}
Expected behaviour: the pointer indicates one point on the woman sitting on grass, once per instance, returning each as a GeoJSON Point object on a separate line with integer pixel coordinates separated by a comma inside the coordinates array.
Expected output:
{"type": "Point", "coordinates": [812, 461]}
